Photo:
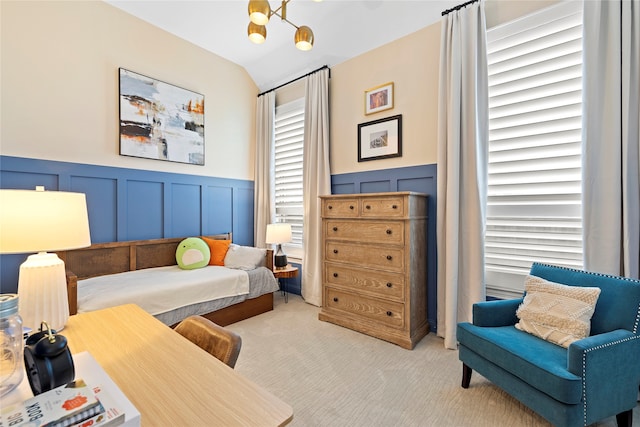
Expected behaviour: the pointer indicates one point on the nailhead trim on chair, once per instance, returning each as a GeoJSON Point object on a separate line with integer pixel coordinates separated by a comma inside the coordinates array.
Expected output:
{"type": "Point", "coordinates": [611, 276]}
{"type": "Point", "coordinates": [584, 370]}
{"type": "Point", "coordinates": [635, 326]}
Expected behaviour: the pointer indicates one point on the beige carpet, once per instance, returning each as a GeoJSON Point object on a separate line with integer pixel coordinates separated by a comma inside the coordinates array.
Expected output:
{"type": "Point", "coordinates": [333, 376]}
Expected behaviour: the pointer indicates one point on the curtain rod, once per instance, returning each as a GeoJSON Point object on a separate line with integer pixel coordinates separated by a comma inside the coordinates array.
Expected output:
{"type": "Point", "coordinates": [460, 6]}
{"type": "Point", "coordinates": [296, 79]}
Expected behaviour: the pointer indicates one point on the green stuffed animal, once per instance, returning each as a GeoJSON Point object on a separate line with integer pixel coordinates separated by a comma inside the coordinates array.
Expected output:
{"type": "Point", "coordinates": [192, 253]}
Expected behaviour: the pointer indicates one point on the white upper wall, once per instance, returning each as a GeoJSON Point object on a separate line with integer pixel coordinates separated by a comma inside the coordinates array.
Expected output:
{"type": "Point", "coordinates": [59, 87]}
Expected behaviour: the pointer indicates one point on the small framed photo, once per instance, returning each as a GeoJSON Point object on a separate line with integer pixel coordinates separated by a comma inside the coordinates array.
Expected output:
{"type": "Point", "coordinates": [378, 98]}
{"type": "Point", "coordinates": [380, 139]}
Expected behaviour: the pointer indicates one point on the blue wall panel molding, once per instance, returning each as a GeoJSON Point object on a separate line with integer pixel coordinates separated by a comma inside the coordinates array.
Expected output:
{"type": "Point", "coordinates": [131, 204]}
{"type": "Point", "coordinates": [421, 179]}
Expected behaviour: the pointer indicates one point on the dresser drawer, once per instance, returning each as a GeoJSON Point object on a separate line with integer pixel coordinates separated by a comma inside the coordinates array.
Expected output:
{"type": "Point", "coordinates": [386, 312]}
{"type": "Point", "coordinates": [378, 283]}
{"type": "Point", "coordinates": [390, 232]}
{"type": "Point", "coordinates": [389, 206]}
{"type": "Point", "coordinates": [340, 208]}
{"type": "Point", "coordinates": [379, 257]}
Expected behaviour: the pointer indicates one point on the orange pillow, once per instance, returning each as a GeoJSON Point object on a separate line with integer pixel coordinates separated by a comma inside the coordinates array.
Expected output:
{"type": "Point", "coordinates": [218, 250]}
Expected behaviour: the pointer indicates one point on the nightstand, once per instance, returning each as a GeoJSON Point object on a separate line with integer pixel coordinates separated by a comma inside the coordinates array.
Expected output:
{"type": "Point", "coordinates": [288, 272]}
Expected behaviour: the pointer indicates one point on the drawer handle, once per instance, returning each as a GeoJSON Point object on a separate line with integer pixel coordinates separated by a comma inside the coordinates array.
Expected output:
{"type": "Point", "coordinates": [389, 313]}
{"type": "Point", "coordinates": [335, 251]}
{"type": "Point", "coordinates": [335, 274]}
{"type": "Point", "coordinates": [368, 207]}
{"type": "Point", "coordinates": [335, 299]}
{"type": "Point", "coordinates": [389, 232]}
{"type": "Point", "coordinates": [330, 207]}
{"type": "Point", "coordinates": [389, 257]}
{"type": "Point", "coordinates": [389, 285]}
{"type": "Point", "coordinates": [335, 228]}
{"type": "Point", "coordinates": [394, 207]}
{"type": "Point", "coordinates": [351, 207]}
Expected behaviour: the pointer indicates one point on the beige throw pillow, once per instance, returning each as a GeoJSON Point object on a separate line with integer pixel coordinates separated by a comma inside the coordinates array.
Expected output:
{"type": "Point", "coordinates": [558, 313]}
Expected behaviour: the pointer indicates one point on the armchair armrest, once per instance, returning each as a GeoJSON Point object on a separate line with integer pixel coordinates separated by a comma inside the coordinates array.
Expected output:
{"type": "Point", "coordinates": [609, 368]}
{"type": "Point", "coordinates": [496, 313]}
{"type": "Point", "coordinates": [72, 292]}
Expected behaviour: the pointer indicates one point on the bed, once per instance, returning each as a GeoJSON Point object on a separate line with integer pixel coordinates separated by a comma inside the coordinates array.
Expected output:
{"type": "Point", "coordinates": [107, 262]}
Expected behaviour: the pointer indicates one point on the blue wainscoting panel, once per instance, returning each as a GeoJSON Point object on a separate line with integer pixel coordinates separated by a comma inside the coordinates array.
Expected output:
{"type": "Point", "coordinates": [343, 188]}
{"type": "Point", "coordinates": [421, 179]}
{"type": "Point", "coordinates": [145, 209]}
{"type": "Point", "coordinates": [131, 204]}
{"type": "Point", "coordinates": [219, 214]}
{"type": "Point", "coordinates": [186, 210]}
{"type": "Point", "coordinates": [27, 180]}
{"type": "Point", "coordinates": [376, 186]}
{"type": "Point", "coordinates": [243, 217]}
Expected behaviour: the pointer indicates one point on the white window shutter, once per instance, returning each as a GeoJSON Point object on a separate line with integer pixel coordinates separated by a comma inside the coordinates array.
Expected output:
{"type": "Point", "coordinates": [535, 119]}
{"type": "Point", "coordinates": [289, 146]}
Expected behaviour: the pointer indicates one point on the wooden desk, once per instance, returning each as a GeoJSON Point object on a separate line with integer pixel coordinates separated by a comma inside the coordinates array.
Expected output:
{"type": "Point", "coordinates": [170, 380]}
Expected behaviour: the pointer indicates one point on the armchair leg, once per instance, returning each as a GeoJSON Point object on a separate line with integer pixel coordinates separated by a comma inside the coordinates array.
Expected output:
{"type": "Point", "coordinates": [466, 378]}
{"type": "Point", "coordinates": [625, 419]}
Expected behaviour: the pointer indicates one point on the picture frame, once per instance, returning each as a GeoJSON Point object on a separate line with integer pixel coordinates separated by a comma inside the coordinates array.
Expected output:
{"type": "Point", "coordinates": [379, 98]}
{"type": "Point", "coordinates": [380, 139]}
{"type": "Point", "coordinates": [159, 120]}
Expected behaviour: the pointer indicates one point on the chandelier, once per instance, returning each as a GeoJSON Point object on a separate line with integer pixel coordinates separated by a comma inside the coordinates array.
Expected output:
{"type": "Point", "coordinates": [259, 14]}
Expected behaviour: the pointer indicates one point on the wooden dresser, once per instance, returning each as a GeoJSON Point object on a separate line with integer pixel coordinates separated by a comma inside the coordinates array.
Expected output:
{"type": "Point", "coordinates": [375, 256]}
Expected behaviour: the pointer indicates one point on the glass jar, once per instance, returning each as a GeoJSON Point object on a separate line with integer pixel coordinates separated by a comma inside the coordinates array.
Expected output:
{"type": "Point", "coordinates": [11, 344]}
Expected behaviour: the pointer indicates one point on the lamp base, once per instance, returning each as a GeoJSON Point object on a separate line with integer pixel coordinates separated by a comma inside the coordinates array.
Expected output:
{"type": "Point", "coordinates": [280, 262]}
{"type": "Point", "coordinates": [280, 259]}
{"type": "Point", "coordinates": [42, 292]}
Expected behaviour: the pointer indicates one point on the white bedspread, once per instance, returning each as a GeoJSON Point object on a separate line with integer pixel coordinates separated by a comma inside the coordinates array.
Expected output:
{"type": "Point", "coordinates": [161, 289]}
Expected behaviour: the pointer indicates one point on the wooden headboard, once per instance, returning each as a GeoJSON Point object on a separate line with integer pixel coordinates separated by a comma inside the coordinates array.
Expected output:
{"type": "Point", "coordinates": [117, 257]}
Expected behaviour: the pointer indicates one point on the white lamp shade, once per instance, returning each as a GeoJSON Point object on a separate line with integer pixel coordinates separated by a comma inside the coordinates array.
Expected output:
{"type": "Point", "coordinates": [278, 233]}
{"type": "Point", "coordinates": [37, 221]}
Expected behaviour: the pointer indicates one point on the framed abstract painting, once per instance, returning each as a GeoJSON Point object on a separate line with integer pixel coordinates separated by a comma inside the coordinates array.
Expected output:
{"type": "Point", "coordinates": [159, 120]}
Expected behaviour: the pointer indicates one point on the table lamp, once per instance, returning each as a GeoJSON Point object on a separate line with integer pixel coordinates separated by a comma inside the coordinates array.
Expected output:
{"type": "Point", "coordinates": [278, 234]}
{"type": "Point", "coordinates": [40, 221]}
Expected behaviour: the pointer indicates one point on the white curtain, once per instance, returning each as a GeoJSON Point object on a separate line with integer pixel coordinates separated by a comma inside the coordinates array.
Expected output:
{"type": "Point", "coordinates": [317, 180]}
{"type": "Point", "coordinates": [611, 142]}
{"type": "Point", "coordinates": [462, 167]}
{"type": "Point", "coordinates": [264, 180]}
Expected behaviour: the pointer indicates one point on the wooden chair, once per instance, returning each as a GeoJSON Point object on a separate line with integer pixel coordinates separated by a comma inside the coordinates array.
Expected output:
{"type": "Point", "coordinates": [214, 339]}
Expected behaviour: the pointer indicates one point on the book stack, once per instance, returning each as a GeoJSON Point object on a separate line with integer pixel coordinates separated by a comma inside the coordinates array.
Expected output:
{"type": "Point", "coordinates": [70, 405]}
{"type": "Point", "coordinates": [93, 401]}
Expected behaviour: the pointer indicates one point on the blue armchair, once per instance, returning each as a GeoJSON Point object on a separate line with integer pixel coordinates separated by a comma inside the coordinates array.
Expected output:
{"type": "Point", "coordinates": [594, 378]}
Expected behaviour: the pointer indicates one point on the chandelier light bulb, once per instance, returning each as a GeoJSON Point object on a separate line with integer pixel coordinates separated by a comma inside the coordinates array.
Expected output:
{"type": "Point", "coordinates": [304, 38]}
{"type": "Point", "coordinates": [257, 33]}
{"type": "Point", "coordinates": [259, 11]}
